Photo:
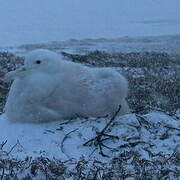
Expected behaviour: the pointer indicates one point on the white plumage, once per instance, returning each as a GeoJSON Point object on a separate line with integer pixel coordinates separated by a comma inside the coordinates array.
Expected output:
{"type": "Point", "coordinates": [48, 88]}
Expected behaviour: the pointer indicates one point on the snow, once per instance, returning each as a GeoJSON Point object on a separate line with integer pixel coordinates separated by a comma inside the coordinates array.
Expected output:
{"type": "Point", "coordinates": [42, 21]}
{"type": "Point", "coordinates": [52, 139]}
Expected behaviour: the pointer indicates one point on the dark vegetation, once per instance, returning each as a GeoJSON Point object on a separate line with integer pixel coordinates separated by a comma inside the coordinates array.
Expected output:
{"type": "Point", "coordinates": [118, 169]}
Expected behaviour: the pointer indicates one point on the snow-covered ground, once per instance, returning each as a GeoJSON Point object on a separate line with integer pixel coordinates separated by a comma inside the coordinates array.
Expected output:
{"type": "Point", "coordinates": [159, 134]}
{"type": "Point", "coordinates": [153, 138]}
{"type": "Point", "coordinates": [23, 22]}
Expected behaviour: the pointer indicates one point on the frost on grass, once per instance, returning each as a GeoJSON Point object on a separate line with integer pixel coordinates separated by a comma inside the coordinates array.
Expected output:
{"type": "Point", "coordinates": [147, 146]}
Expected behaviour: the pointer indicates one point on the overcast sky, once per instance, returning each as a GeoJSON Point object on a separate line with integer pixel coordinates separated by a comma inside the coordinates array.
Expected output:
{"type": "Point", "coordinates": [44, 20]}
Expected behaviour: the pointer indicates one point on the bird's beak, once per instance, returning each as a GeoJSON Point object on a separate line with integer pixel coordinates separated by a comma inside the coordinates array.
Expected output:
{"type": "Point", "coordinates": [18, 73]}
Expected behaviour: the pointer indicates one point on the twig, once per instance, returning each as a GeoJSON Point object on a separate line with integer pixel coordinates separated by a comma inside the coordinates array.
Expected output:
{"type": "Point", "coordinates": [13, 147]}
{"type": "Point", "coordinates": [60, 128]}
{"type": "Point", "coordinates": [50, 131]}
{"type": "Point", "coordinates": [66, 122]}
{"type": "Point", "coordinates": [64, 139]}
{"type": "Point", "coordinates": [93, 152]}
{"type": "Point", "coordinates": [170, 127]}
{"type": "Point", "coordinates": [112, 119]}
{"type": "Point", "coordinates": [98, 141]}
{"type": "Point", "coordinates": [2, 145]}
{"type": "Point", "coordinates": [141, 119]}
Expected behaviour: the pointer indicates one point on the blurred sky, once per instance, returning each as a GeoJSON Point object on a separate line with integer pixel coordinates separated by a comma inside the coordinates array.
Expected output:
{"type": "Point", "coordinates": [36, 21]}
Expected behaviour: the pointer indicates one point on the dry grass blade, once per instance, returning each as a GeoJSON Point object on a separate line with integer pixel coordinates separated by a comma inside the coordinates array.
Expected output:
{"type": "Point", "coordinates": [64, 139]}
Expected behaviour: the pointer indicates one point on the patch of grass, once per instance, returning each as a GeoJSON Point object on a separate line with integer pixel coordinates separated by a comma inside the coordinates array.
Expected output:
{"type": "Point", "coordinates": [133, 59]}
{"type": "Point", "coordinates": [127, 165]}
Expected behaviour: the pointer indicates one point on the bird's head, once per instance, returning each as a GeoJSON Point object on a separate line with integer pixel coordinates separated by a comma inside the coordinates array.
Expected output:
{"type": "Point", "coordinates": [42, 60]}
{"type": "Point", "coordinates": [37, 61]}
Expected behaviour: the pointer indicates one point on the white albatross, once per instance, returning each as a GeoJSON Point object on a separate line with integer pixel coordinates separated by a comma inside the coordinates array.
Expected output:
{"type": "Point", "coordinates": [49, 88]}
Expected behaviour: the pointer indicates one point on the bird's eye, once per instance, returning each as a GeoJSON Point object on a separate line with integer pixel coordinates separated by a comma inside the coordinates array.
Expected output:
{"type": "Point", "coordinates": [38, 62]}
